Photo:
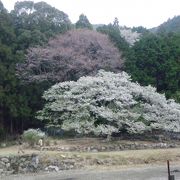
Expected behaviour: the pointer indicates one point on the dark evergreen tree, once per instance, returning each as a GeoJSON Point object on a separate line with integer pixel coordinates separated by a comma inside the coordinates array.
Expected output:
{"type": "Point", "coordinates": [140, 29]}
{"type": "Point", "coordinates": [29, 24]}
{"type": "Point", "coordinates": [114, 33]}
{"type": "Point", "coordinates": [116, 22]}
{"type": "Point", "coordinates": [35, 23]}
{"type": "Point", "coordinates": [13, 108]}
{"type": "Point", "coordinates": [155, 60]}
{"type": "Point", "coordinates": [83, 22]}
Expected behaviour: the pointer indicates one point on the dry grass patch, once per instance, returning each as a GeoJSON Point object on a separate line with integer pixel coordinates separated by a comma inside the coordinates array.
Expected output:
{"type": "Point", "coordinates": [114, 158]}
{"type": "Point", "coordinates": [120, 158]}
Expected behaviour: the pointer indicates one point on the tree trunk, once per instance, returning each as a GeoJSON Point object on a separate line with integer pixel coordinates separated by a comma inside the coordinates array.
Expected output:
{"type": "Point", "coordinates": [1, 119]}
{"type": "Point", "coordinates": [11, 126]}
{"type": "Point", "coordinates": [22, 125]}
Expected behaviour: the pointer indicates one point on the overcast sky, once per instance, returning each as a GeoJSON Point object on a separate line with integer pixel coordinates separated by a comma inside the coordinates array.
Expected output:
{"type": "Point", "coordinates": [147, 13]}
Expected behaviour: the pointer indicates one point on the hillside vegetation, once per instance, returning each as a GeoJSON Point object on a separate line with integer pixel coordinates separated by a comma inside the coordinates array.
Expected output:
{"type": "Point", "coordinates": [171, 25]}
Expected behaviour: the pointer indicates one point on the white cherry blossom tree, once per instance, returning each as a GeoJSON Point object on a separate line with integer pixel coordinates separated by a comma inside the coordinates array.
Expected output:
{"type": "Point", "coordinates": [108, 103]}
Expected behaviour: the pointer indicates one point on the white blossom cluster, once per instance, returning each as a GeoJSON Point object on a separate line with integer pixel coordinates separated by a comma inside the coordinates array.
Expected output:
{"type": "Point", "coordinates": [109, 103]}
{"type": "Point", "coordinates": [130, 36]}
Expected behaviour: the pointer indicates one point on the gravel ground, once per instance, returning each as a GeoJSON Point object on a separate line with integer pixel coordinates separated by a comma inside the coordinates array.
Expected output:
{"type": "Point", "coordinates": [140, 173]}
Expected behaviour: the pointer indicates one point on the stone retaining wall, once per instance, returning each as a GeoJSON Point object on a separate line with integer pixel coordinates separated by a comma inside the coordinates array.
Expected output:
{"type": "Point", "coordinates": [115, 147]}
{"type": "Point", "coordinates": [34, 163]}
{"type": "Point", "coordinates": [42, 162]}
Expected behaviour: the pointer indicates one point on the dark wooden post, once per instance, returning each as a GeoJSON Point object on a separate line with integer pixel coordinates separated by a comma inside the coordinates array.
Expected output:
{"type": "Point", "coordinates": [168, 169]}
{"type": "Point", "coordinates": [170, 177]}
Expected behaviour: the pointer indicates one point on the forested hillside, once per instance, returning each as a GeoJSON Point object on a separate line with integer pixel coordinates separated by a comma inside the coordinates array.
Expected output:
{"type": "Point", "coordinates": [39, 46]}
{"type": "Point", "coordinates": [29, 24]}
{"type": "Point", "coordinates": [155, 60]}
{"type": "Point", "coordinates": [171, 25]}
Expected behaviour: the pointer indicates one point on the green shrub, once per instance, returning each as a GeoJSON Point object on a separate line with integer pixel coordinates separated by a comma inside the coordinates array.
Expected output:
{"type": "Point", "coordinates": [32, 136]}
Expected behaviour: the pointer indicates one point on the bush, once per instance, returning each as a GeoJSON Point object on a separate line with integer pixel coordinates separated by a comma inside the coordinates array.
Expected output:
{"type": "Point", "coordinates": [31, 136]}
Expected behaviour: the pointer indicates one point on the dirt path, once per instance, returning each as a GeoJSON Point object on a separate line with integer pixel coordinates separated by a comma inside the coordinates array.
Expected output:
{"type": "Point", "coordinates": [140, 173]}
